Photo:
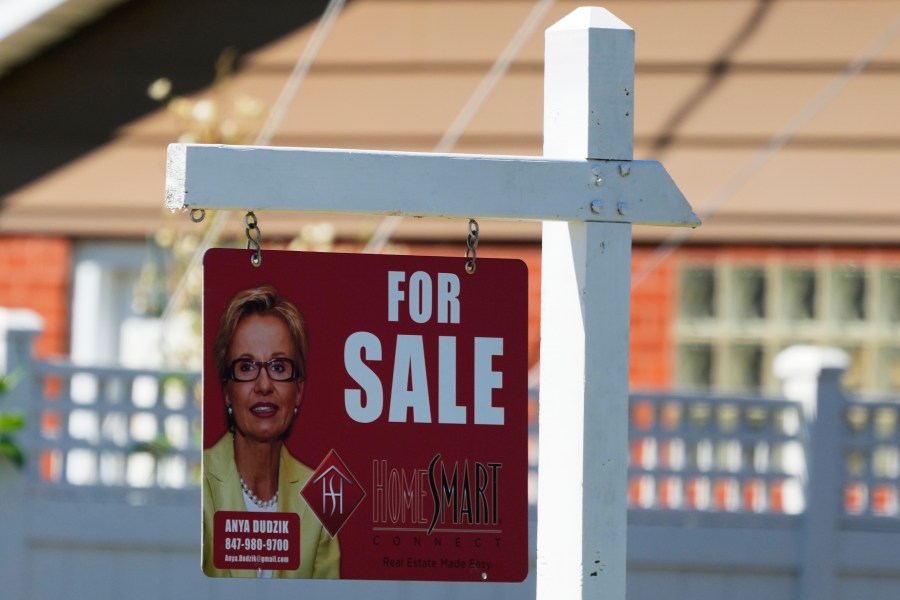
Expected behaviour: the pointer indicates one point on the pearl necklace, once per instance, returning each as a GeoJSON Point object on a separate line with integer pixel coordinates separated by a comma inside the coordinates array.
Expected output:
{"type": "Point", "coordinates": [264, 504]}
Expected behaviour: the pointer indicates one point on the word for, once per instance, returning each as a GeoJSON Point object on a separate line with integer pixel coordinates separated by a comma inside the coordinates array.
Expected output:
{"type": "Point", "coordinates": [446, 297]}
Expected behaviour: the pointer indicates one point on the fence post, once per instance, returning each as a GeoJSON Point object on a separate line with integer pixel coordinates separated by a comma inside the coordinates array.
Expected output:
{"type": "Point", "coordinates": [18, 328]}
{"type": "Point", "coordinates": [812, 375]}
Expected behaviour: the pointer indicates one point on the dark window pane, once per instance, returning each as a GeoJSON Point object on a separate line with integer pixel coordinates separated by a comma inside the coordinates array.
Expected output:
{"type": "Point", "coordinates": [850, 294]}
{"type": "Point", "coordinates": [695, 366]}
{"type": "Point", "coordinates": [750, 293]}
{"type": "Point", "coordinates": [800, 294]}
{"type": "Point", "coordinates": [697, 293]}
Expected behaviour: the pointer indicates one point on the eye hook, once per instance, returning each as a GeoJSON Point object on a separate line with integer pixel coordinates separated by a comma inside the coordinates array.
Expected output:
{"type": "Point", "coordinates": [253, 235]}
{"type": "Point", "coordinates": [471, 245]}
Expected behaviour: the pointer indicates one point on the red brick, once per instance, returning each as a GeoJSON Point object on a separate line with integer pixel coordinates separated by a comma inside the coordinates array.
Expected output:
{"type": "Point", "coordinates": [35, 275]}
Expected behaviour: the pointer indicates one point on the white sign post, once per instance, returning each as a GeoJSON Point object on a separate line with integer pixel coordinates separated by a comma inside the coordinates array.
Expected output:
{"type": "Point", "coordinates": [585, 309]}
{"type": "Point", "coordinates": [589, 192]}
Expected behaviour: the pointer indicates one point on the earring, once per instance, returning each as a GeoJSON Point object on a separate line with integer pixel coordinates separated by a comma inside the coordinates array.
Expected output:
{"type": "Point", "coordinates": [230, 412]}
{"type": "Point", "coordinates": [296, 408]}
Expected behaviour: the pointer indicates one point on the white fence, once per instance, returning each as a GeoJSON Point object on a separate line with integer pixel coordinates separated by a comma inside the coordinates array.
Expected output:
{"type": "Point", "coordinates": [730, 497]}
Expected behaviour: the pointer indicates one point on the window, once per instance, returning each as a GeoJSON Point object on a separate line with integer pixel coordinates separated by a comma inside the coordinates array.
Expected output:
{"type": "Point", "coordinates": [104, 276]}
{"type": "Point", "coordinates": [734, 317]}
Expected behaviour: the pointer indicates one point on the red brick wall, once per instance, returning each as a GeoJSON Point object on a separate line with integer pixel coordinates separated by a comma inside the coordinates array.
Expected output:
{"type": "Point", "coordinates": [652, 315]}
{"type": "Point", "coordinates": [35, 274]}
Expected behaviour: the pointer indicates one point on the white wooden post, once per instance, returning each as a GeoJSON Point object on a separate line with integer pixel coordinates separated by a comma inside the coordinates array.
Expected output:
{"type": "Point", "coordinates": [583, 460]}
{"type": "Point", "coordinates": [589, 192]}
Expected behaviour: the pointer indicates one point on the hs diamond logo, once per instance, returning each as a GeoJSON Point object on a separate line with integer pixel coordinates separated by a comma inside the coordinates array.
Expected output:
{"type": "Point", "coordinates": [333, 493]}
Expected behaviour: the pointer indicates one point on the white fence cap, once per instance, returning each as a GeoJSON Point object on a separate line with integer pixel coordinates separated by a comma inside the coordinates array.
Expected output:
{"type": "Point", "coordinates": [799, 368]}
{"type": "Point", "coordinates": [808, 361]}
{"type": "Point", "coordinates": [20, 319]}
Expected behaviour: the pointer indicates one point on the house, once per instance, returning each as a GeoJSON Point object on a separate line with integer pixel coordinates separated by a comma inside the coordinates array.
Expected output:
{"type": "Point", "coordinates": [773, 117]}
{"type": "Point", "coordinates": [783, 257]}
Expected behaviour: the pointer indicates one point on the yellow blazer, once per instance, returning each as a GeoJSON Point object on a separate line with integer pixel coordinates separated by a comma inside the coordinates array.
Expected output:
{"type": "Point", "coordinates": [320, 555]}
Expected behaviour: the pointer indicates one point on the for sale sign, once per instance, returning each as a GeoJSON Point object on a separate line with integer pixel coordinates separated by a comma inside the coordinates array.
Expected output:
{"type": "Point", "coordinates": [364, 417]}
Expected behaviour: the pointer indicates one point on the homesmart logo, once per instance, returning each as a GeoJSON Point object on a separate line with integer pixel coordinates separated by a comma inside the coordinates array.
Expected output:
{"type": "Point", "coordinates": [456, 496]}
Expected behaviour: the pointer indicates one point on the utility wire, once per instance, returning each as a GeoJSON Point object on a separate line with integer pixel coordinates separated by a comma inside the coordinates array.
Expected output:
{"type": "Point", "coordinates": [298, 75]}
{"type": "Point", "coordinates": [776, 144]}
{"type": "Point", "coordinates": [388, 225]}
{"type": "Point", "coordinates": [273, 122]}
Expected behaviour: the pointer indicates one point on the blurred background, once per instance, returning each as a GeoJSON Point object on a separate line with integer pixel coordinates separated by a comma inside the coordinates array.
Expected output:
{"type": "Point", "coordinates": [776, 118]}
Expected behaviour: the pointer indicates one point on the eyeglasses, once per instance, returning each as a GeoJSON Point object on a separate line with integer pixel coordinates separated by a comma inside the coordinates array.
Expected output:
{"type": "Point", "coordinates": [278, 369]}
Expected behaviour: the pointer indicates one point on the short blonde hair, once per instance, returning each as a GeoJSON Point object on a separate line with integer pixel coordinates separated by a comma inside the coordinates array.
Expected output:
{"type": "Point", "coordinates": [262, 300]}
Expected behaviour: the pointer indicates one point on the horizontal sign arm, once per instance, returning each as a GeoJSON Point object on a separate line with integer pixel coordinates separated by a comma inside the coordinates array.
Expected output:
{"type": "Point", "coordinates": [422, 184]}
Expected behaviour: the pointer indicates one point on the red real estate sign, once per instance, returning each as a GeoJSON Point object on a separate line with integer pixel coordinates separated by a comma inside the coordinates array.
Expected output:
{"type": "Point", "coordinates": [411, 434]}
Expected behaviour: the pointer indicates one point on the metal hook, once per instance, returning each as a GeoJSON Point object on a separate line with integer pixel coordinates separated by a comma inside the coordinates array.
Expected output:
{"type": "Point", "coordinates": [197, 214]}
{"type": "Point", "coordinates": [253, 236]}
{"type": "Point", "coordinates": [471, 245]}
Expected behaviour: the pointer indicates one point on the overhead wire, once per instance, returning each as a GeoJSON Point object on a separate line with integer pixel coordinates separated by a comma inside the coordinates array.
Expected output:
{"type": "Point", "coordinates": [273, 121]}
{"type": "Point", "coordinates": [725, 192]}
{"type": "Point", "coordinates": [388, 225]}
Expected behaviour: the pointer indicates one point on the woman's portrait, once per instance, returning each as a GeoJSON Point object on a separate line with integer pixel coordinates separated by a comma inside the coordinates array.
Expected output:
{"type": "Point", "coordinates": [260, 355]}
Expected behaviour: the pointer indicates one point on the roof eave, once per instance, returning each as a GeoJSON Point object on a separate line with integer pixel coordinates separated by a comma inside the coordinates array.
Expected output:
{"type": "Point", "coordinates": [42, 24]}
